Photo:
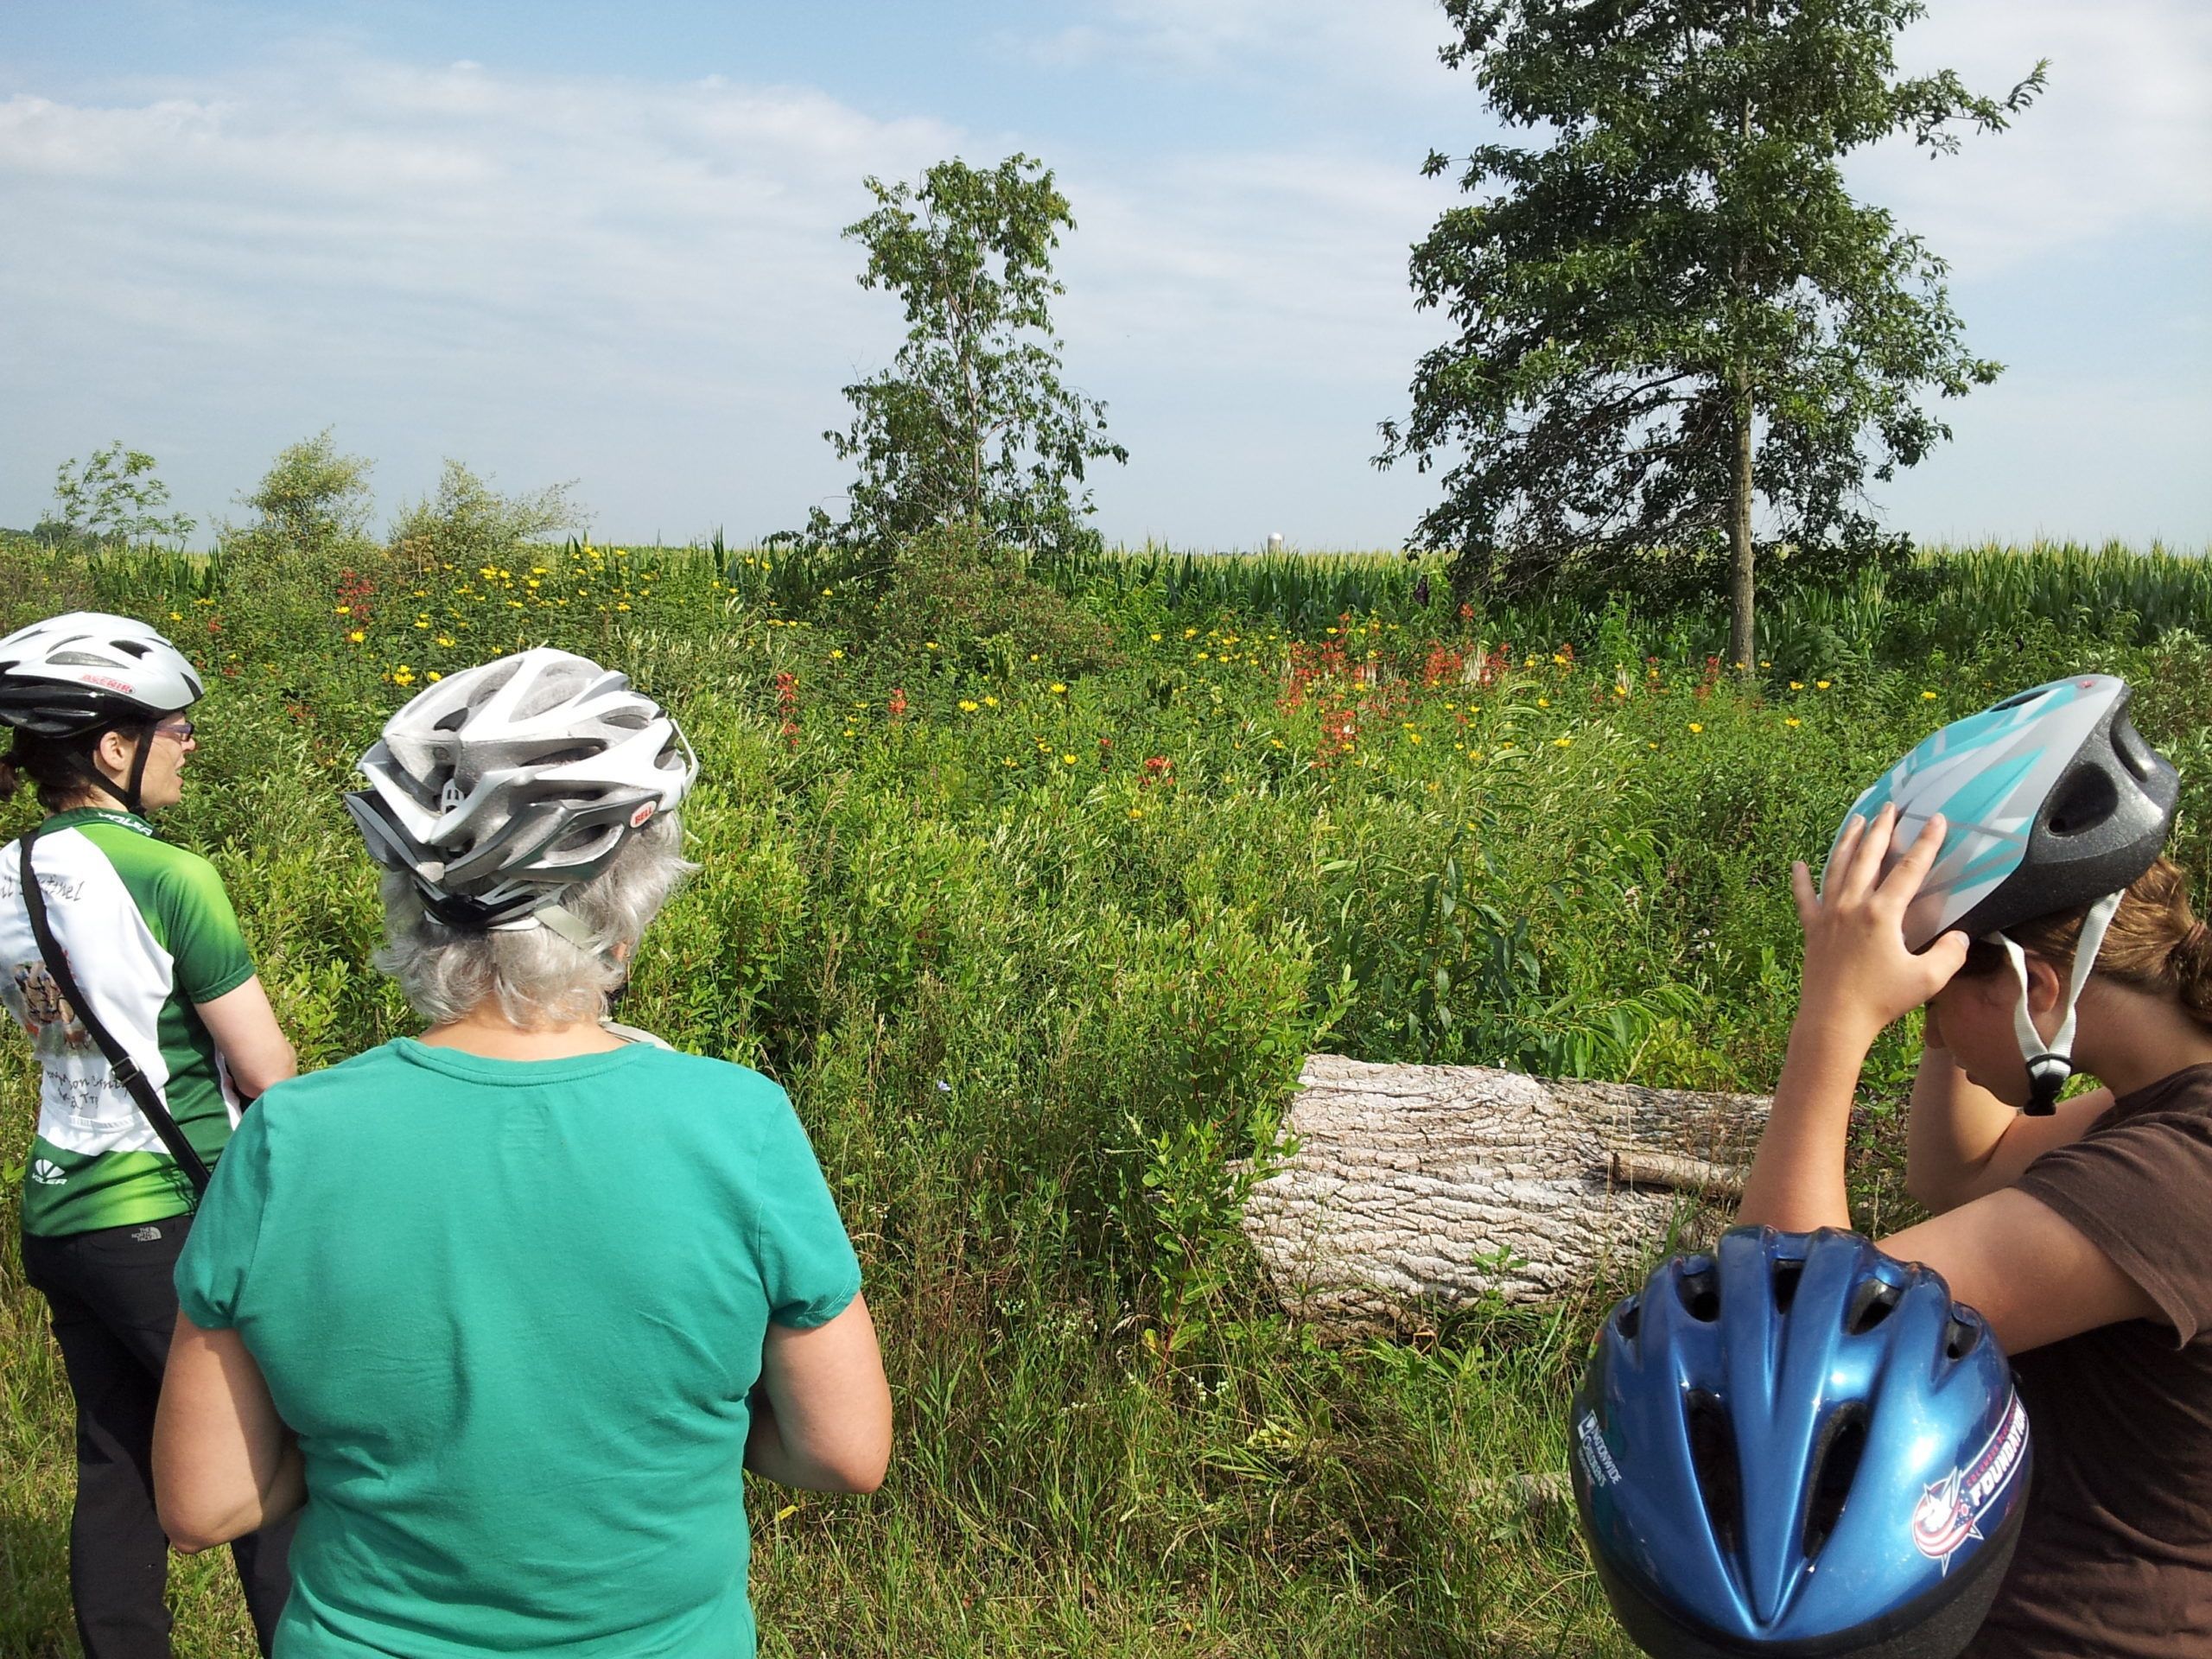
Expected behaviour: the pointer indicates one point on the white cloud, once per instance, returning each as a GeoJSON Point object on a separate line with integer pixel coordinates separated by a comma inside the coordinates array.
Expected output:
{"type": "Point", "coordinates": [645, 285]}
{"type": "Point", "coordinates": [642, 283]}
{"type": "Point", "coordinates": [449, 254]}
{"type": "Point", "coordinates": [1386, 42]}
{"type": "Point", "coordinates": [2122, 138]}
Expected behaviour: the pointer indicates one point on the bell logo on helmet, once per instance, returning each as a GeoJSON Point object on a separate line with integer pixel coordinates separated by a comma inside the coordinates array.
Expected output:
{"type": "Point", "coordinates": [644, 811]}
{"type": "Point", "coordinates": [1949, 1512]}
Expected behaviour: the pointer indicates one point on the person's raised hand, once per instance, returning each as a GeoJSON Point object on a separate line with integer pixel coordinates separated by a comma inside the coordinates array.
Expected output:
{"type": "Point", "coordinates": [1859, 974]}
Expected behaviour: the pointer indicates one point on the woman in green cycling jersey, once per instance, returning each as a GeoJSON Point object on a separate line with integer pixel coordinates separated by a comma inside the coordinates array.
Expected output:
{"type": "Point", "coordinates": [510, 1306]}
{"type": "Point", "coordinates": [147, 935]}
{"type": "Point", "coordinates": [2009, 875]}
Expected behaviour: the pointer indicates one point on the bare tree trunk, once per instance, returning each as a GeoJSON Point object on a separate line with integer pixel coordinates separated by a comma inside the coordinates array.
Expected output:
{"type": "Point", "coordinates": [1743, 639]}
{"type": "Point", "coordinates": [1421, 1188]}
{"type": "Point", "coordinates": [1743, 636]}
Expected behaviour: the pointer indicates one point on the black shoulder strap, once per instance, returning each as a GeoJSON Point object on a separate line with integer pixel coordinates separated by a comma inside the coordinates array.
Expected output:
{"type": "Point", "coordinates": [125, 1068]}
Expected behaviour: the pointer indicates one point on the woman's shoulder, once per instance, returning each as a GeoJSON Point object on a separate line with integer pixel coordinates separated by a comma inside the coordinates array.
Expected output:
{"type": "Point", "coordinates": [2184, 1096]}
{"type": "Point", "coordinates": [706, 1077]}
{"type": "Point", "coordinates": [373, 1068]}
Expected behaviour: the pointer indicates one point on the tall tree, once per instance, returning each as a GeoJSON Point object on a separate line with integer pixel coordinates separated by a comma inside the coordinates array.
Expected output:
{"type": "Point", "coordinates": [115, 496]}
{"type": "Point", "coordinates": [1672, 308]}
{"type": "Point", "coordinates": [971, 423]}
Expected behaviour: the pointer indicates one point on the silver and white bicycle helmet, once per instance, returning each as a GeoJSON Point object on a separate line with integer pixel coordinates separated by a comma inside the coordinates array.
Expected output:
{"type": "Point", "coordinates": [2053, 801]}
{"type": "Point", "coordinates": [501, 785]}
{"type": "Point", "coordinates": [82, 672]}
{"type": "Point", "coordinates": [78, 675]}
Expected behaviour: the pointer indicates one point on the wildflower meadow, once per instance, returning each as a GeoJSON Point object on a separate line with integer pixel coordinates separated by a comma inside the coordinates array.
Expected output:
{"type": "Point", "coordinates": [1037, 904]}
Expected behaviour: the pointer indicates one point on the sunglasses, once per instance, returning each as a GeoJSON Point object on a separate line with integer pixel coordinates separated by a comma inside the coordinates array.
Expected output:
{"type": "Point", "coordinates": [180, 729]}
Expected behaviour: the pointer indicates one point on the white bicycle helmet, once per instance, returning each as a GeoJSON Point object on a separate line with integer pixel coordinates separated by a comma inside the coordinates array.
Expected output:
{"type": "Point", "coordinates": [84, 671]}
{"type": "Point", "coordinates": [2053, 801]}
{"type": "Point", "coordinates": [72, 677]}
{"type": "Point", "coordinates": [497, 787]}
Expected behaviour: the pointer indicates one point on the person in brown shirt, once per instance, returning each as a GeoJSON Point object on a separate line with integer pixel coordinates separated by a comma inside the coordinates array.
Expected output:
{"type": "Point", "coordinates": [2083, 1237]}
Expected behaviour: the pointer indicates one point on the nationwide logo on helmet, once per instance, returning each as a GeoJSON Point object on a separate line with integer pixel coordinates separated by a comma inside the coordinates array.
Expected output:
{"type": "Point", "coordinates": [1596, 1457]}
{"type": "Point", "coordinates": [1949, 1512]}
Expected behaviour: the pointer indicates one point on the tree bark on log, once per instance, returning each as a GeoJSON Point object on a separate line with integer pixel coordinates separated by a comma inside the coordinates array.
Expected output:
{"type": "Point", "coordinates": [1415, 1189]}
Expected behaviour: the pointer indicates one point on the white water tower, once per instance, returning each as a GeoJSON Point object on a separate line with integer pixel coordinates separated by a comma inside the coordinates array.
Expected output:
{"type": "Point", "coordinates": [1274, 542]}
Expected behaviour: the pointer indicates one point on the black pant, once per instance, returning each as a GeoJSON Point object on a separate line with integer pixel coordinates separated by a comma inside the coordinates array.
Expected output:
{"type": "Point", "coordinates": [113, 1300]}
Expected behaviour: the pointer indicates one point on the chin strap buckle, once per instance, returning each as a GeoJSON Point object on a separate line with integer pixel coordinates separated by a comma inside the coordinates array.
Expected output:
{"type": "Point", "coordinates": [2047, 1075]}
{"type": "Point", "coordinates": [2050, 1065]}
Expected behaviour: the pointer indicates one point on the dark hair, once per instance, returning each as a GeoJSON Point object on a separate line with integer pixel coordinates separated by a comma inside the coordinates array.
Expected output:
{"type": "Point", "coordinates": [2156, 943]}
{"type": "Point", "coordinates": [60, 767]}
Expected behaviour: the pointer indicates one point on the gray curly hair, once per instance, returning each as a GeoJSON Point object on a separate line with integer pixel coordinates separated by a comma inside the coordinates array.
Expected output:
{"type": "Point", "coordinates": [538, 978]}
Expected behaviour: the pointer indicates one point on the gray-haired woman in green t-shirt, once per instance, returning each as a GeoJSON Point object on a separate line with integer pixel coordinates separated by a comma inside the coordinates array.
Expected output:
{"type": "Point", "coordinates": [510, 1306]}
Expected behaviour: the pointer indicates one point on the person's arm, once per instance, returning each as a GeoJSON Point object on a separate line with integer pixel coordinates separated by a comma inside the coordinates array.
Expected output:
{"type": "Point", "coordinates": [223, 1463]}
{"type": "Point", "coordinates": [2024, 1268]}
{"type": "Point", "coordinates": [246, 1031]}
{"type": "Point", "coordinates": [1859, 978]}
{"type": "Point", "coordinates": [826, 1425]}
{"type": "Point", "coordinates": [1963, 1143]}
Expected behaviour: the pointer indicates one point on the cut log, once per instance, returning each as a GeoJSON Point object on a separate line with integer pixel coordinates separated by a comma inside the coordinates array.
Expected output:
{"type": "Point", "coordinates": [1416, 1189]}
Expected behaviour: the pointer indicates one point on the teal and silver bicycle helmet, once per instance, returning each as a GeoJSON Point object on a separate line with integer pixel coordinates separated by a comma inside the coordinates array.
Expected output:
{"type": "Point", "coordinates": [2053, 801]}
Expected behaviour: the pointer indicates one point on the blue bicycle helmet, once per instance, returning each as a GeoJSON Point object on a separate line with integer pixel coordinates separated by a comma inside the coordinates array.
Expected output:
{"type": "Point", "coordinates": [1798, 1446]}
{"type": "Point", "coordinates": [2053, 801]}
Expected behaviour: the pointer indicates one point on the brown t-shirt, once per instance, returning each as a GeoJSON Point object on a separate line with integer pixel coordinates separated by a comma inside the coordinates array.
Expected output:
{"type": "Point", "coordinates": [2115, 1556]}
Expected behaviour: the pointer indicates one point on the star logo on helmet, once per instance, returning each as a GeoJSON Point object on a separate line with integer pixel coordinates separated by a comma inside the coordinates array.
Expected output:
{"type": "Point", "coordinates": [1950, 1511]}
{"type": "Point", "coordinates": [1943, 1521]}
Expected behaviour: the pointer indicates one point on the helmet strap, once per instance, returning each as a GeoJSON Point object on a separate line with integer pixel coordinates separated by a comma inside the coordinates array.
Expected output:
{"type": "Point", "coordinates": [87, 766]}
{"type": "Point", "coordinates": [2050, 1065]}
{"type": "Point", "coordinates": [573, 928]}
{"type": "Point", "coordinates": [131, 796]}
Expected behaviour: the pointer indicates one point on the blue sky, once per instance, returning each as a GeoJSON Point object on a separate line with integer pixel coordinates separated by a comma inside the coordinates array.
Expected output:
{"type": "Point", "coordinates": [565, 240]}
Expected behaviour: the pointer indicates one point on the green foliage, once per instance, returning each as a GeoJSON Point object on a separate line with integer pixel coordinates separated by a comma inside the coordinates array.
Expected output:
{"type": "Point", "coordinates": [1680, 267]}
{"type": "Point", "coordinates": [1041, 971]}
{"type": "Point", "coordinates": [971, 423]}
{"type": "Point", "coordinates": [112, 497]}
{"type": "Point", "coordinates": [467, 523]}
{"type": "Point", "coordinates": [313, 496]}
{"type": "Point", "coordinates": [955, 598]}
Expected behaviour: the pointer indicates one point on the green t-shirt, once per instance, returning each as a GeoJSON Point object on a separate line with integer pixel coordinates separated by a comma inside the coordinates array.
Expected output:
{"type": "Point", "coordinates": [513, 1310]}
{"type": "Point", "coordinates": [149, 933]}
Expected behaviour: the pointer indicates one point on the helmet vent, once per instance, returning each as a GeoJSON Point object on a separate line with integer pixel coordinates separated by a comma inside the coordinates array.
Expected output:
{"type": "Point", "coordinates": [1960, 1338]}
{"type": "Point", "coordinates": [1719, 1478]}
{"type": "Point", "coordinates": [2139, 758]}
{"type": "Point", "coordinates": [2020, 701]}
{"type": "Point", "coordinates": [135, 647]}
{"type": "Point", "coordinates": [79, 659]}
{"type": "Point", "coordinates": [1843, 1442]}
{"type": "Point", "coordinates": [2083, 800]}
{"type": "Point", "coordinates": [1700, 1289]}
{"type": "Point", "coordinates": [1872, 1303]}
{"type": "Point", "coordinates": [1786, 1275]}
{"type": "Point", "coordinates": [1629, 1319]}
